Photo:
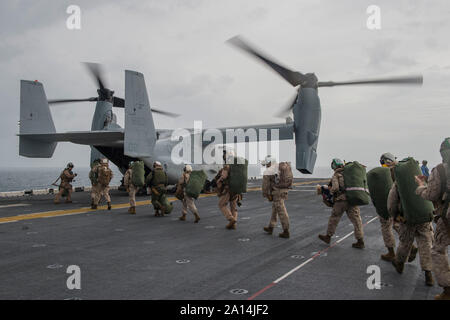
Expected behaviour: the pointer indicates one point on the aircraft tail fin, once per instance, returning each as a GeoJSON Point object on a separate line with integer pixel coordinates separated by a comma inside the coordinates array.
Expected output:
{"type": "Point", "coordinates": [140, 133]}
{"type": "Point", "coordinates": [35, 119]}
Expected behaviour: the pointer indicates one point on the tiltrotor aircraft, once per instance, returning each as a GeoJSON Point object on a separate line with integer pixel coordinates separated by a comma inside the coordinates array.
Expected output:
{"type": "Point", "coordinates": [139, 139]}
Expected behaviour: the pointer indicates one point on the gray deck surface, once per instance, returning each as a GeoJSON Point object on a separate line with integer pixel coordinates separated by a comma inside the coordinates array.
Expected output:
{"type": "Point", "coordinates": [135, 257]}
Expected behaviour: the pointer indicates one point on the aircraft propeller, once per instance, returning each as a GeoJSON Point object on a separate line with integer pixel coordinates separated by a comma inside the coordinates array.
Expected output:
{"type": "Point", "coordinates": [105, 94]}
{"type": "Point", "coordinates": [309, 80]}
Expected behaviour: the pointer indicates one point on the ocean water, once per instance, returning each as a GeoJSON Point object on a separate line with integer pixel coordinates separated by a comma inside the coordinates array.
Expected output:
{"type": "Point", "coordinates": [19, 179]}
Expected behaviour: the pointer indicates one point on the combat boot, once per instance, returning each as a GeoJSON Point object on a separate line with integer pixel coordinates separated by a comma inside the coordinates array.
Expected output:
{"type": "Point", "coordinates": [390, 256]}
{"type": "Point", "coordinates": [197, 217]}
{"type": "Point", "coordinates": [412, 254]}
{"type": "Point", "coordinates": [94, 206]}
{"type": "Point", "coordinates": [284, 234]}
{"type": "Point", "coordinates": [359, 244]}
{"type": "Point", "coordinates": [398, 266]}
{"type": "Point", "coordinates": [109, 205]}
{"type": "Point", "coordinates": [429, 278]}
{"type": "Point", "coordinates": [325, 238]}
{"type": "Point", "coordinates": [157, 214]}
{"type": "Point", "coordinates": [132, 210]}
{"type": "Point", "coordinates": [445, 295]}
{"type": "Point", "coordinates": [68, 201]}
{"type": "Point", "coordinates": [182, 218]}
{"type": "Point", "coordinates": [269, 229]}
{"type": "Point", "coordinates": [231, 225]}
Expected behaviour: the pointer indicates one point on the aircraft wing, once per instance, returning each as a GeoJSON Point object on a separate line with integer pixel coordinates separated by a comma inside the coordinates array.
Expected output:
{"type": "Point", "coordinates": [92, 138]}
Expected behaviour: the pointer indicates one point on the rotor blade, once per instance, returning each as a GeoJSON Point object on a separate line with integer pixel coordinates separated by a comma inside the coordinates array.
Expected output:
{"type": "Point", "coordinates": [414, 80]}
{"type": "Point", "coordinates": [165, 113]}
{"type": "Point", "coordinates": [295, 78]}
{"type": "Point", "coordinates": [96, 72]}
{"type": "Point", "coordinates": [287, 108]}
{"type": "Point", "coordinates": [56, 101]}
{"type": "Point", "coordinates": [118, 102]}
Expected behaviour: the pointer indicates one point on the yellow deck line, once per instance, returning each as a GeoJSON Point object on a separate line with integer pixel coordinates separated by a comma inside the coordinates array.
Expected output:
{"type": "Point", "coordinates": [56, 213]}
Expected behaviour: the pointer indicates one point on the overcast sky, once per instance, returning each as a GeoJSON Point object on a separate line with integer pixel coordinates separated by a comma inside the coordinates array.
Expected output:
{"type": "Point", "coordinates": [179, 46]}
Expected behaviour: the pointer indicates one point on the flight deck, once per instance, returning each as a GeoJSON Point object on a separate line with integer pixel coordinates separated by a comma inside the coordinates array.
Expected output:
{"type": "Point", "coordinates": [123, 256]}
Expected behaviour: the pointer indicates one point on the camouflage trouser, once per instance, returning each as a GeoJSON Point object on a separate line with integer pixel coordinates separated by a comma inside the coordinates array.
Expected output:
{"type": "Point", "coordinates": [158, 200]}
{"type": "Point", "coordinates": [102, 192]}
{"type": "Point", "coordinates": [64, 187]}
{"type": "Point", "coordinates": [132, 195]}
{"type": "Point", "coordinates": [353, 215]}
{"type": "Point", "coordinates": [279, 209]}
{"type": "Point", "coordinates": [94, 193]}
{"type": "Point", "coordinates": [231, 212]}
{"type": "Point", "coordinates": [188, 203]}
{"type": "Point", "coordinates": [439, 254]}
{"type": "Point", "coordinates": [387, 227]}
{"type": "Point", "coordinates": [423, 233]}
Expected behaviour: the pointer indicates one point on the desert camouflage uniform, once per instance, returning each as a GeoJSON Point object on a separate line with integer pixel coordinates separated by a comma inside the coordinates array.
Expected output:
{"type": "Point", "coordinates": [131, 188]}
{"type": "Point", "coordinates": [423, 233]}
{"type": "Point", "coordinates": [388, 225]}
{"type": "Point", "coordinates": [341, 205]}
{"type": "Point", "coordinates": [102, 190]}
{"type": "Point", "coordinates": [94, 185]}
{"type": "Point", "coordinates": [278, 196]}
{"type": "Point", "coordinates": [433, 192]}
{"type": "Point", "coordinates": [225, 197]}
{"type": "Point", "coordinates": [188, 202]}
{"type": "Point", "coordinates": [66, 178]}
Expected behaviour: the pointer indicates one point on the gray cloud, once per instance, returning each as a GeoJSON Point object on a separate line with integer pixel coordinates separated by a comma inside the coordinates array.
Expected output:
{"type": "Point", "coordinates": [179, 46]}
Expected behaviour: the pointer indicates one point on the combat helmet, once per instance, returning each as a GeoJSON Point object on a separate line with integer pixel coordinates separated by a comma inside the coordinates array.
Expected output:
{"type": "Point", "coordinates": [387, 159]}
{"type": "Point", "coordinates": [336, 163]}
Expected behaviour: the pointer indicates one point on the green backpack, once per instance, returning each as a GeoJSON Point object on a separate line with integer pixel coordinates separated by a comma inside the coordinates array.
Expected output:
{"type": "Point", "coordinates": [380, 182]}
{"type": "Point", "coordinates": [416, 210]}
{"type": "Point", "coordinates": [138, 174]}
{"type": "Point", "coordinates": [355, 181]}
{"type": "Point", "coordinates": [237, 179]}
{"type": "Point", "coordinates": [195, 184]}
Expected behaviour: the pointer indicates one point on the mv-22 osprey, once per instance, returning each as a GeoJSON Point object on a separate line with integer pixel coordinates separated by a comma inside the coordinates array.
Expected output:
{"type": "Point", "coordinates": [141, 140]}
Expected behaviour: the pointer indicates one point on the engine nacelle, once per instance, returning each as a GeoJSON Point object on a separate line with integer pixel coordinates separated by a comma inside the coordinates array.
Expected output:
{"type": "Point", "coordinates": [307, 117]}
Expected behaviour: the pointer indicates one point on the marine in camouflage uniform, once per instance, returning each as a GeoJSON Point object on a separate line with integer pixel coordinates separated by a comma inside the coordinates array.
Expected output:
{"type": "Point", "coordinates": [65, 187]}
{"type": "Point", "coordinates": [340, 206]}
{"type": "Point", "coordinates": [94, 183]}
{"type": "Point", "coordinates": [436, 191]}
{"type": "Point", "coordinates": [157, 181]}
{"type": "Point", "coordinates": [102, 189]}
{"type": "Point", "coordinates": [277, 196]}
{"type": "Point", "coordinates": [131, 189]}
{"type": "Point", "coordinates": [422, 233]}
{"type": "Point", "coordinates": [227, 200]}
{"type": "Point", "coordinates": [187, 201]}
{"type": "Point", "coordinates": [388, 160]}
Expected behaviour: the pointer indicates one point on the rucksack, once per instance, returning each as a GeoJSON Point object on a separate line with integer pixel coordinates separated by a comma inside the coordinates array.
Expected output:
{"type": "Point", "coordinates": [104, 175]}
{"type": "Point", "coordinates": [138, 174]}
{"type": "Point", "coordinates": [355, 181]}
{"type": "Point", "coordinates": [196, 183]}
{"type": "Point", "coordinates": [285, 178]}
{"type": "Point", "coordinates": [93, 176]}
{"type": "Point", "coordinates": [237, 179]}
{"type": "Point", "coordinates": [380, 182]}
{"type": "Point", "coordinates": [416, 210]}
